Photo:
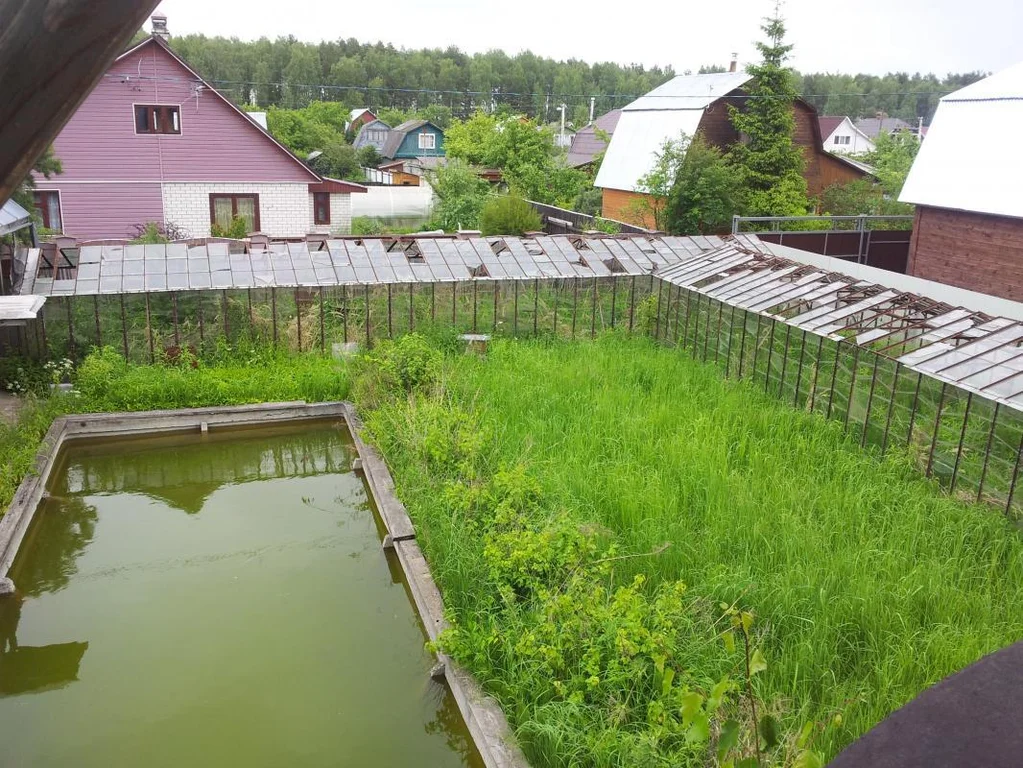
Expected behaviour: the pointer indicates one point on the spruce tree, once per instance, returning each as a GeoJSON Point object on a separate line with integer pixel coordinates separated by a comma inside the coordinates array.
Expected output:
{"type": "Point", "coordinates": [769, 160]}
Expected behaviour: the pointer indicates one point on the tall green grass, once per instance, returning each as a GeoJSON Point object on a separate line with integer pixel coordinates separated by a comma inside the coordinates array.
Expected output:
{"type": "Point", "coordinates": [868, 583]}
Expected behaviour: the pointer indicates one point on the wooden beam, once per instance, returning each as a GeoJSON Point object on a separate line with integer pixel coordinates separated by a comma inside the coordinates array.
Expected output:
{"type": "Point", "coordinates": [52, 53]}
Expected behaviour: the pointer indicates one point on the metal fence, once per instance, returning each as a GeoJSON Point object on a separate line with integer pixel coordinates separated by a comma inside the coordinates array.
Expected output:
{"type": "Point", "coordinates": [561, 221]}
{"type": "Point", "coordinates": [148, 327]}
{"type": "Point", "coordinates": [970, 444]}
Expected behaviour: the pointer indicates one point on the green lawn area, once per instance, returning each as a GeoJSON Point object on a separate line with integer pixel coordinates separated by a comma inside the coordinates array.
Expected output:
{"type": "Point", "coordinates": [548, 464]}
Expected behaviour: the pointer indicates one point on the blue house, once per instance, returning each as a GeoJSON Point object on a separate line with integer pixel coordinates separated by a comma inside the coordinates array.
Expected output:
{"type": "Point", "coordinates": [414, 139]}
{"type": "Point", "coordinates": [372, 134]}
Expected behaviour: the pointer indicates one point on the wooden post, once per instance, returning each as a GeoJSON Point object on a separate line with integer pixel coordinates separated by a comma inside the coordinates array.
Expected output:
{"type": "Point", "coordinates": [124, 326]}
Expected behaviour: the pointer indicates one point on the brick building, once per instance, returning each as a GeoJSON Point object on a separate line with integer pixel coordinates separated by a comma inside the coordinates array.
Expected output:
{"type": "Point", "coordinates": [965, 185]}
{"type": "Point", "coordinates": [690, 104]}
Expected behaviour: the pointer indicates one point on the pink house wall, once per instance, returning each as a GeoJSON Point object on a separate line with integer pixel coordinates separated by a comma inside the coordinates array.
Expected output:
{"type": "Point", "coordinates": [112, 177]}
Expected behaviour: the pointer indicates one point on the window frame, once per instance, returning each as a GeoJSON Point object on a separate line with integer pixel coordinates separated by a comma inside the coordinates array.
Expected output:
{"type": "Point", "coordinates": [317, 197]}
{"type": "Point", "coordinates": [44, 210]}
{"type": "Point", "coordinates": [427, 135]}
{"type": "Point", "coordinates": [235, 196]}
{"type": "Point", "coordinates": [151, 110]}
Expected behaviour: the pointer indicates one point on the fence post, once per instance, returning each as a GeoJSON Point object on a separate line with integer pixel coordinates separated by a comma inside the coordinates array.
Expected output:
{"type": "Point", "coordinates": [962, 439]}
{"type": "Point", "coordinates": [632, 303]}
{"type": "Point", "coordinates": [124, 327]}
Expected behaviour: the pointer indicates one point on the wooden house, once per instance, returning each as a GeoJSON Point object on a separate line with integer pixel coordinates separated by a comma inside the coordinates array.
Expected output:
{"type": "Point", "coordinates": [694, 104]}
{"type": "Point", "coordinates": [968, 230]}
{"type": "Point", "coordinates": [154, 142]}
{"type": "Point", "coordinates": [372, 134]}
{"type": "Point", "coordinates": [414, 139]}
{"type": "Point", "coordinates": [839, 134]}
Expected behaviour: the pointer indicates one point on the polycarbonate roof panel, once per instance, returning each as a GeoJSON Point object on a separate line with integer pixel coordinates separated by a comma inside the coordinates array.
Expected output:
{"type": "Point", "coordinates": [970, 349]}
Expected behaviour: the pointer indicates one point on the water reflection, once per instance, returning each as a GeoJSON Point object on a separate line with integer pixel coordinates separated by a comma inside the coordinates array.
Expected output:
{"type": "Point", "coordinates": [60, 532]}
{"type": "Point", "coordinates": [448, 722]}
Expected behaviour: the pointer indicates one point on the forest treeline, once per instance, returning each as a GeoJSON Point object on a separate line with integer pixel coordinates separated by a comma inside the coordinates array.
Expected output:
{"type": "Point", "coordinates": [290, 73]}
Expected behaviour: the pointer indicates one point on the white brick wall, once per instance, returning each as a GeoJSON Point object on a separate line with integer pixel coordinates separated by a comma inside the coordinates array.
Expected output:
{"type": "Point", "coordinates": [285, 210]}
{"type": "Point", "coordinates": [340, 215]}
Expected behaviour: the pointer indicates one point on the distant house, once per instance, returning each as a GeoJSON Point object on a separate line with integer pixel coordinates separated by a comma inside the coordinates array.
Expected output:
{"type": "Point", "coordinates": [872, 127]}
{"type": "Point", "coordinates": [414, 139]}
{"type": "Point", "coordinates": [587, 144]}
{"type": "Point", "coordinates": [358, 118]}
{"type": "Point", "coordinates": [372, 134]}
{"type": "Point", "coordinates": [839, 134]}
{"type": "Point", "coordinates": [690, 104]}
{"type": "Point", "coordinates": [154, 142]}
{"type": "Point", "coordinates": [968, 230]}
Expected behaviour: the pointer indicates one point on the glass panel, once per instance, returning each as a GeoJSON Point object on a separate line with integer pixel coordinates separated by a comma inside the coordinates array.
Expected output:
{"type": "Point", "coordinates": [222, 211]}
{"type": "Point", "coordinates": [142, 119]}
{"type": "Point", "coordinates": [53, 211]}
{"type": "Point", "coordinates": [156, 119]}
{"type": "Point", "coordinates": [175, 120]}
{"type": "Point", "coordinates": [246, 208]}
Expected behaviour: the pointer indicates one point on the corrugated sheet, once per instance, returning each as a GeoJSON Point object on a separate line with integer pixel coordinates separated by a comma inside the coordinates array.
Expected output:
{"type": "Point", "coordinates": [16, 309]}
{"type": "Point", "coordinates": [956, 167]}
{"type": "Point", "coordinates": [668, 110]}
{"type": "Point", "coordinates": [973, 350]}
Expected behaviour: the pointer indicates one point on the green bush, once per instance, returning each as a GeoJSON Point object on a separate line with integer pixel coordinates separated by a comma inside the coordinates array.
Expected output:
{"type": "Point", "coordinates": [509, 215]}
{"type": "Point", "coordinates": [238, 230]}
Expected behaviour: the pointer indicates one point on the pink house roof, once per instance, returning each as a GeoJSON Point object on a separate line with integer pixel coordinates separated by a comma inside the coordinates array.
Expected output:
{"type": "Point", "coordinates": [829, 123]}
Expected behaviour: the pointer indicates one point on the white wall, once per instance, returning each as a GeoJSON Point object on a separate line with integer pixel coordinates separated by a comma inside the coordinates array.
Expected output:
{"type": "Point", "coordinates": [285, 209]}
{"type": "Point", "coordinates": [858, 143]}
{"type": "Point", "coordinates": [340, 215]}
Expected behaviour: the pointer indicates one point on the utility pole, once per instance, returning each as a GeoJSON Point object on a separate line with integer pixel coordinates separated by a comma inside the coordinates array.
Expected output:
{"type": "Point", "coordinates": [593, 104]}
{"type": "Point", "coordinates": [563, 107]}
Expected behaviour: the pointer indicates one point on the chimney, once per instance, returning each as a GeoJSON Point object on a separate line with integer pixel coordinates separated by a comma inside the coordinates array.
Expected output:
{"type": "Point", "coordinates": [735, 61]}
{"type": "Point", "coordinates": [159, 22]}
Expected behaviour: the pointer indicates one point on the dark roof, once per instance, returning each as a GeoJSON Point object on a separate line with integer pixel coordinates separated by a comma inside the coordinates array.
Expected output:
{"type": "Point", "coordinates": [874, 126]}
{"type": "Point", "coordinates": [586, 145]}
{"type": "Point", "coordinates": [829, 123]}
{"type": "Point", "coordinates": [397, 135]}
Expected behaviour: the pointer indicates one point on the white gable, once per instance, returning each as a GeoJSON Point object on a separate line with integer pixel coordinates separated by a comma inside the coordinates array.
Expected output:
{"type": "Point", "coordinates": [959, 165]}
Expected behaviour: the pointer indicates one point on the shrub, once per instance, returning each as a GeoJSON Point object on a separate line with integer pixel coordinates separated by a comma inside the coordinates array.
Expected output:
{"type": "Point", "coordinates": [509, 215]}
{"type": "Point", "coordinates": [238, 230]}
{"type": "Point", "coordinates": [396, 368]}
{"type": "Point", "coordinates": [366, 226]}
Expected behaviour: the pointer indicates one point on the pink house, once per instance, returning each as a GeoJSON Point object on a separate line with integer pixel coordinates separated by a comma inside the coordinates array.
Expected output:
{"type": "Point", "coordinates": [154, 142]}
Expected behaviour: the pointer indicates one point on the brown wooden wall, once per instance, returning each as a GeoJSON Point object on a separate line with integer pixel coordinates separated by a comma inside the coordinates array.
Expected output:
{"type": "Point", "coordinates": [976, 251]}
{"type": "Point", "coordinates": [630, 207]}
{"type": "Point", "coordinates": [822, 169]}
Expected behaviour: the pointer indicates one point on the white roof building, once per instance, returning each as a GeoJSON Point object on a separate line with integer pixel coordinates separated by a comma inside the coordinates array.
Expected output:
{"type": "Point", "coordinates": [666, 112]}
{"type": "Point", "coordinates": [961, 165]}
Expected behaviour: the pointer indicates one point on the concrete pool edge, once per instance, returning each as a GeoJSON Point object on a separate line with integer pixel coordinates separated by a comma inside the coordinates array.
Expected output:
{"type": "Point", "coordinates": [482, 715]}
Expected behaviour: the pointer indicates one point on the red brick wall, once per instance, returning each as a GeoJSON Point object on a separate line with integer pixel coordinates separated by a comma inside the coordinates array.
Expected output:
{"type": "Point", "coordinates": [976, 251]}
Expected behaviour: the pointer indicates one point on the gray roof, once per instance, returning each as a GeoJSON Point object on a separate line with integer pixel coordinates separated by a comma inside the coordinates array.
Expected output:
{"type": "Point", "coordinates": [13, 217]}
{"type": "Point", "coordinates": [362, 138]}
{"type": "Point", "coordinates": [113, 269]}
{"type": "Point", "coordinates": [397, 135]}
{"type": "Point", "coordinates": [874, 126]}
{"type": "Point", "coordinates": [586, 145]}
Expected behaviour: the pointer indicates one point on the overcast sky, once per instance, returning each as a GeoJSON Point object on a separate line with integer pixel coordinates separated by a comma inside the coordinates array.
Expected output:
{"type": "Point", "coordinates": [829, 35]}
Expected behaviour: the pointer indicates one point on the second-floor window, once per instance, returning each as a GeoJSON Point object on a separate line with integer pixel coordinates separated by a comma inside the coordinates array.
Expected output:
{"type": "Point", "coordinates": [427, 141]}
{"type": "Point", "coordinates": [157, 118]}
{"type": "Point", "coordinates": [842, 139]}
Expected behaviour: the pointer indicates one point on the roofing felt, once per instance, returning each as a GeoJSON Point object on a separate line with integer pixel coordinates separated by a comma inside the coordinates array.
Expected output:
{"type": "Point", "coordinates": [586, 145]}
{"type": "Point", "coordinates": [954, 169]}
{"type": "Point", "coordinates": [974, 350]}
{"type": "Point", "coordinates": [114, 269]}
{"type": "Point", "coordinates": [829, 123]}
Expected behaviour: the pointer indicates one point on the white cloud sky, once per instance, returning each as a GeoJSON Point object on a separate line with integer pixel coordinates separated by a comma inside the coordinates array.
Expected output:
{"type": "Point", "coordinates": [873, 36]}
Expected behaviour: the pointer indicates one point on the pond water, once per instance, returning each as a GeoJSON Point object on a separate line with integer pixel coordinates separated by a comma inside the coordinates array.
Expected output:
{"type": "Point", "coordinates": [218, 600]}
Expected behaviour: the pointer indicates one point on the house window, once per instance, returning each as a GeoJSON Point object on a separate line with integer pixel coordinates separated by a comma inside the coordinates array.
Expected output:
{"type": "Point", "coordinates": [321, 208]}
{"type": "Point", "coordinates": [842, 139]}
{"type": "Point", "coordinates": [154, 118]}
{"type": "Point", "coordinates": [224, 208]}
{"type": "Point", "coordinates": [48, 205]}
{"type": "Point", "coordinates": [427, 141]}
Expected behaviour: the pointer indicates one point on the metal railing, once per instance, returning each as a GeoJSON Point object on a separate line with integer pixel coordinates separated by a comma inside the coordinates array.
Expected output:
{"type": "Point", "coordinates": [860, 223]}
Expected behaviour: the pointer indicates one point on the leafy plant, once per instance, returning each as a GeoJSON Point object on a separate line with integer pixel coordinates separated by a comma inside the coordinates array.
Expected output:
{"type": "Point", "coordinates": [462, 195]}
{"type": "Point", "coordinates": [509, 215]}
{"type": "Point", "coordinates": [238, 229]}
